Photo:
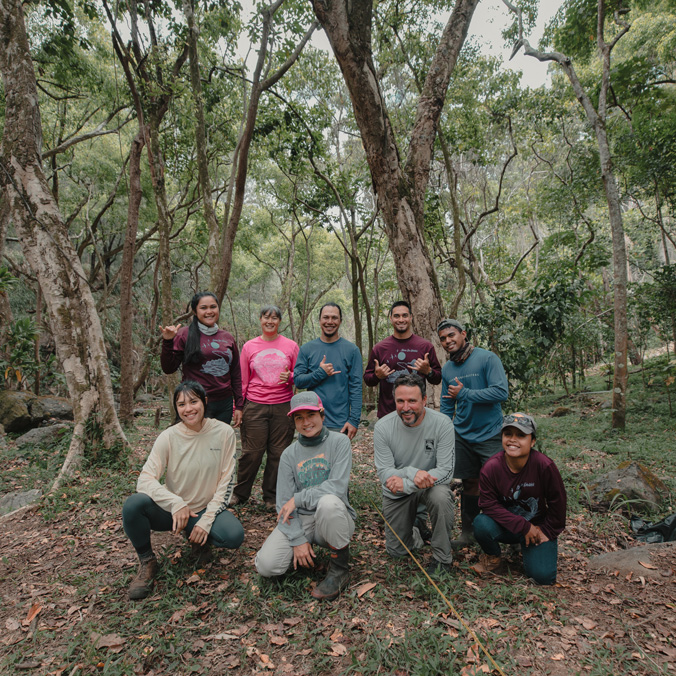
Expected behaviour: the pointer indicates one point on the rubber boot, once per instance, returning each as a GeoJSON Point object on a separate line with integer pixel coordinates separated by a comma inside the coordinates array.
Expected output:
{"type": "Point", "coordinates": [337, 578]}
{"type": "Point", "coordinates": [469, 510]}
{"type": "Point", "coordinates": [143, 583]}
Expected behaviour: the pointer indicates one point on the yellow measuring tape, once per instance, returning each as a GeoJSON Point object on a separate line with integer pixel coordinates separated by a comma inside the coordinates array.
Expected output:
{"type": "Point", "coordinates": [434, 584]}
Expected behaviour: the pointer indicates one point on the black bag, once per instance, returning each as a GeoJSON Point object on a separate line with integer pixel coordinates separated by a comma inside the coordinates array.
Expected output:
{"type": "Point", "coordinates": [662, 531]}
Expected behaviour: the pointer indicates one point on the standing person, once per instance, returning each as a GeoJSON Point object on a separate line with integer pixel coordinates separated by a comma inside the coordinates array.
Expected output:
{"type": "Point", "coordinates": [414, 456]}
{"type": "Point", "coordinates": [312, 501]}
{"type": "Point", "coordinates": [399, 354]}
{"type": "Point", "coordinates": [331, 366]}
{"type": "Point", "coordinates": [522, 500]}
{"type": "Point", "coordinates": [208, 355]}
{"type": "Point", "coordinates": [198, 456]}
{"type": "Point", "coordinates": [267, 385]}
{"type": "Point", "coordinates": [474, 385]}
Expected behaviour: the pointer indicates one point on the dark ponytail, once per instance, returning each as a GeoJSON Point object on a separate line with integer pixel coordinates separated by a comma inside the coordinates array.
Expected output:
{"type": "Point", "coordinates": [192, 352]}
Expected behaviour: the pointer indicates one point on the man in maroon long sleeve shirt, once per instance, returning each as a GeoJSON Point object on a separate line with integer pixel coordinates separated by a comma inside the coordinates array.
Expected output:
{"type": "Point", "coordinates": [399, 354]}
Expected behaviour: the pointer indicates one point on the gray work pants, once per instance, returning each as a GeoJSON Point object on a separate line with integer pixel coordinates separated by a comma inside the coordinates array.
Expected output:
{"type": "Point", "coordinates": [401, 513]}
{"type": "Point", "coordinates": [330, 526]}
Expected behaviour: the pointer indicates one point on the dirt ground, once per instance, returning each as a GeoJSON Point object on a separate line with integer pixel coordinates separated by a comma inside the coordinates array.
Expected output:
{"type": "Point", "coordinates": [63, 578]}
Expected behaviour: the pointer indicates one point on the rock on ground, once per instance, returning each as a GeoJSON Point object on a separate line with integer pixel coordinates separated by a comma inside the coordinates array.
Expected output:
{"type": "Point", "coordinates": [41, 434]}
{"type": "Point", "coordinates": [13, 501]}
{"type": "Point", "coordinates": [632, 480]}
{"type": "Point", "coordinates": [642, 560]}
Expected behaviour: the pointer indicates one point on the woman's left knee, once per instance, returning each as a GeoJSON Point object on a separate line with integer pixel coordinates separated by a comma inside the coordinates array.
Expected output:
{"type": "Point", "coordinates": [229, 537]}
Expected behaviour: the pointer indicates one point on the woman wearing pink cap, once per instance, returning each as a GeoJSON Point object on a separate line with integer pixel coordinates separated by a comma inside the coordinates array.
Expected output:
{"type": "Point", "coordinates": [312, 501]}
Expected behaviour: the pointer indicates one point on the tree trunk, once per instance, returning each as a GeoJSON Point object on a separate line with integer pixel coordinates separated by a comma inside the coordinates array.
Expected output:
{"type": "Point", "coordinates": [400, 189]}
{"type": "Point", "coordinates": [47, 247]}
{"type": "Point", "coordinates": [126, 282]}
{"type": "Point", "coordinates": [213, 227]}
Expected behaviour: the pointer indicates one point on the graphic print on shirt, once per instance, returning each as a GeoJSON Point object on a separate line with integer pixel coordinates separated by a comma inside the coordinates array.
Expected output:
{"type": "Point", "coordinates": [313, 471]}
{"type": "Point", "coordinates": [524, 507]}
{"type": "Point", "coordinates": [268, 364]}
{"type": "Point", "coordinates": [220, 366]}
{"type": "Point", "coordinates": [399, 359]}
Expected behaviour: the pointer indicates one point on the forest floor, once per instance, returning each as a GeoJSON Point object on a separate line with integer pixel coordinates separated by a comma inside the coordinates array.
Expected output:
{"type": "Point", "coordinates": [65, 567]}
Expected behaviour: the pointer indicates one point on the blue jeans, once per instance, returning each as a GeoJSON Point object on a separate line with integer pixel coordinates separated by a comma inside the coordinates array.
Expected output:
{"type": "Point", "coordinates": [539, 561]}
{"type": "Point", "coordinates": [141, 515]}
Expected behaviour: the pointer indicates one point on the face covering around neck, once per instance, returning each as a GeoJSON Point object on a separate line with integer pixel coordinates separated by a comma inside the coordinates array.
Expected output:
{"type": "Point", "coordinates": [313, 441]}
{"type": "Point", "coordinates": [207, 330]}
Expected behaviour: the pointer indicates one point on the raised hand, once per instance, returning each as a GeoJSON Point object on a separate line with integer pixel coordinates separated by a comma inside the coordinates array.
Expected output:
{"type": "Point", "coordinates": [169, 332]}
{"type": "Point", "coordinates": [422, 366]}
{"type": "Point", "coordinates": [382, 371]}
{"type": "Point", "coordinates": [328, 367]}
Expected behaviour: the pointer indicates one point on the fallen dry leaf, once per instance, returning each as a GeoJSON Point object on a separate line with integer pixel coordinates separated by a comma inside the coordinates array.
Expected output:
{"type": "Point", "coordinates": [558, 657]}
{"type": "Point", "coordinates": [279, 640]}
{"type": "Point", "coordinates": [113, 642]}
{"type": "Point", "coordinates": [222, 637]}
{"type": "Point", "coordinates": [35, 609]}
{"type": "Point", "coordinates": [648, 565]}
{"type": "Point", "coordinates": [362, 589]}
{"type": "Point", "coordinates": [11, 624]}
{"type": "Point", "coordinates": [588, 624]}
{"type": "Point", "coordinates": [338, 650]}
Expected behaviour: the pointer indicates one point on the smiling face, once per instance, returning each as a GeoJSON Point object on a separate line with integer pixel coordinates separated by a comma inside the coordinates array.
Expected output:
{"type": "Point", "coordinates": [400, 318]}
{"type": "Point", "coordinates": [207, 310]}
{"type": "Point", "coordinates": [329, 322]}
{"type": "Point", "coordinates": [308, 423]}
{"type": "Point", "coordinates": [190, 410]}
{"type": "Point", "coordinates": [410, 405]}
{"type": "Point", "coordinates": [452, 339]}
{"type": "Point", "coordinates": [517, 446]}
{"type": "Point", "coordinates": [270, 324]}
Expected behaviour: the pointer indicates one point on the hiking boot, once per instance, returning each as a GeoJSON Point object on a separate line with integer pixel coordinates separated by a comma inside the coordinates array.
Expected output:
{"type": "Point", "coordinates": [143, 583]}
{"type": "Point", "coordinates": [423, 529]}
{"type": "Point", "coordinates": [469, 510]}
{"type": "Point", "coordinates": [436, 569]}
{"type": "Point", "coordinates": [337, 577]}
{"type": "Point", "coordinates": [491, 564]}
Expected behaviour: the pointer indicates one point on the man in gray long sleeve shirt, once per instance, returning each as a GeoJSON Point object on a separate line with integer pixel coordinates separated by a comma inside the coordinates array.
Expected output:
{"type": "Point", "coordinates": [312, 500]}
{"type": "Point", "coordinates": [415, 458]}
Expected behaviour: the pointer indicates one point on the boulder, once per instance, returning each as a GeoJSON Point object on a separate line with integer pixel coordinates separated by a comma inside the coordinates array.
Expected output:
{"type": "Point", "coordinates": [560, 411]}
{"type": "Point", "coordinates": [43, 408]}
{"type": "Point", "coordinates": [632, 481]}
{"type": "Point", "coordinates": [41, 435]}
{"type": "Point", "coordinates": [145, 398]}
{"type": "Point", "coordinates": [13, 501]}
{"type": "Point", "coordinates": [15, 413]}
{"type": "Point", "coordinates": [643, 560]}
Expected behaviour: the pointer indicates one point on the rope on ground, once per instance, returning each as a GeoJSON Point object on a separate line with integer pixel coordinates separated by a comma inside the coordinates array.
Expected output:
{"type": "Point", "coordinates": [434, 584]}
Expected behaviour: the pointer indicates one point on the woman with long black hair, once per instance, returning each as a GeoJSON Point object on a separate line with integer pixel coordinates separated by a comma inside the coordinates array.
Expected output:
{"type": "Point", "coordinates": [208, 355]}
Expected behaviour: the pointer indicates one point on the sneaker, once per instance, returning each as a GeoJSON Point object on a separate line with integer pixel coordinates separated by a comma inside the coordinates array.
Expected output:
{"type": "Point", "coordinates": [436, 568]}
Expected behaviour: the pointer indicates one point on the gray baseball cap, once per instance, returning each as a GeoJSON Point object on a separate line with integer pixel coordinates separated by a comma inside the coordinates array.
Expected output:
{"type": "Point", "coordinates": [305, 401]}
{"type": "Point", "coordinates": [521, 421]}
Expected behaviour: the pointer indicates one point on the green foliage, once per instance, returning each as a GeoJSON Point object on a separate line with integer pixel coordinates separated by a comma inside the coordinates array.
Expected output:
{"type": "Point", "coordinates": [19, 364]}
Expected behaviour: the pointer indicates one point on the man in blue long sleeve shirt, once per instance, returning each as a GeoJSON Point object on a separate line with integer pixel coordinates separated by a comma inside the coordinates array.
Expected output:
{"type": "Point", "coordinates": [332, 367]}
{"type": "Point", "coordinates": [473, 386]}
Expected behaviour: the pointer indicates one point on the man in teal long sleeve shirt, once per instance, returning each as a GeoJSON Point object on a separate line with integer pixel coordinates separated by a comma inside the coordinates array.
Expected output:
{"type": "Point", "coordinates": [332, 367]}
{"type": "Point", "coordinates": [473, 386]}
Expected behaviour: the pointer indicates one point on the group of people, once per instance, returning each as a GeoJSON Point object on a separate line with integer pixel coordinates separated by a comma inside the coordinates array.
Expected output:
{"type": "Point", "coordinates": [510, 492]}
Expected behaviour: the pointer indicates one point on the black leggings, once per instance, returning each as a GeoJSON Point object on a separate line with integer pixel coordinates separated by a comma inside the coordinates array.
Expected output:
{"type": "Point", "coordinates": [221, 410]}
{"type": "Point", "coordinates": [141, 514]}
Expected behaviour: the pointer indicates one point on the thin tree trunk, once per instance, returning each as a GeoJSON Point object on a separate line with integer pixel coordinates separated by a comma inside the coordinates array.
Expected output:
{"type": "Point", "coordinates": [126, 281]}
{"type": "Point", "coordinates": [213, 227]}
{"type": "Point", "coordinates": [47, 246]}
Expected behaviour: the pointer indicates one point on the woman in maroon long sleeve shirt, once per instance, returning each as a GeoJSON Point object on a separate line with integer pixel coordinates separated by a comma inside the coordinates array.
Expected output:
{"type": "Point", "coordinates": [523, 500]}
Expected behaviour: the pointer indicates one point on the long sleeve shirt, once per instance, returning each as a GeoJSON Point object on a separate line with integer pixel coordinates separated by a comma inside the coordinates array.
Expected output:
{"type": "Point", "coordinates": [217, 371]}
{"type": "Point", "coordinates": [399, 355]}
{"type": "Point", "coordinates": [199, 466]}
{"type": "Point", "coordinates": [536, 495]}
{"type": "Point", "coordinates": [307, 473]}
{"type": "Point", "coordinates": [476, 411]}
{"type": "Point", "coordinates": [341, 393]}
{"type": "Point", "coordinates": [262, 361]}
{"type": "Point", "coordinates": [402, 451]}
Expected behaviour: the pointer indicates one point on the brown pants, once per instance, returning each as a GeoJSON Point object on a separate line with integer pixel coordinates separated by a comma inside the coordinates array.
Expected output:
{"type": "Point", "coordinates": [265, 427]}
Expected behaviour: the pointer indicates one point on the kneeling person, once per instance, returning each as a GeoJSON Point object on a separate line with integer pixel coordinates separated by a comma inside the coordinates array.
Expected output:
{"type": "Point", "coordinates": [415, 456]}
{"type": "Point", "coordinates": [312, 501]}
{"type": "Point", "coordinates": [523, 500]}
